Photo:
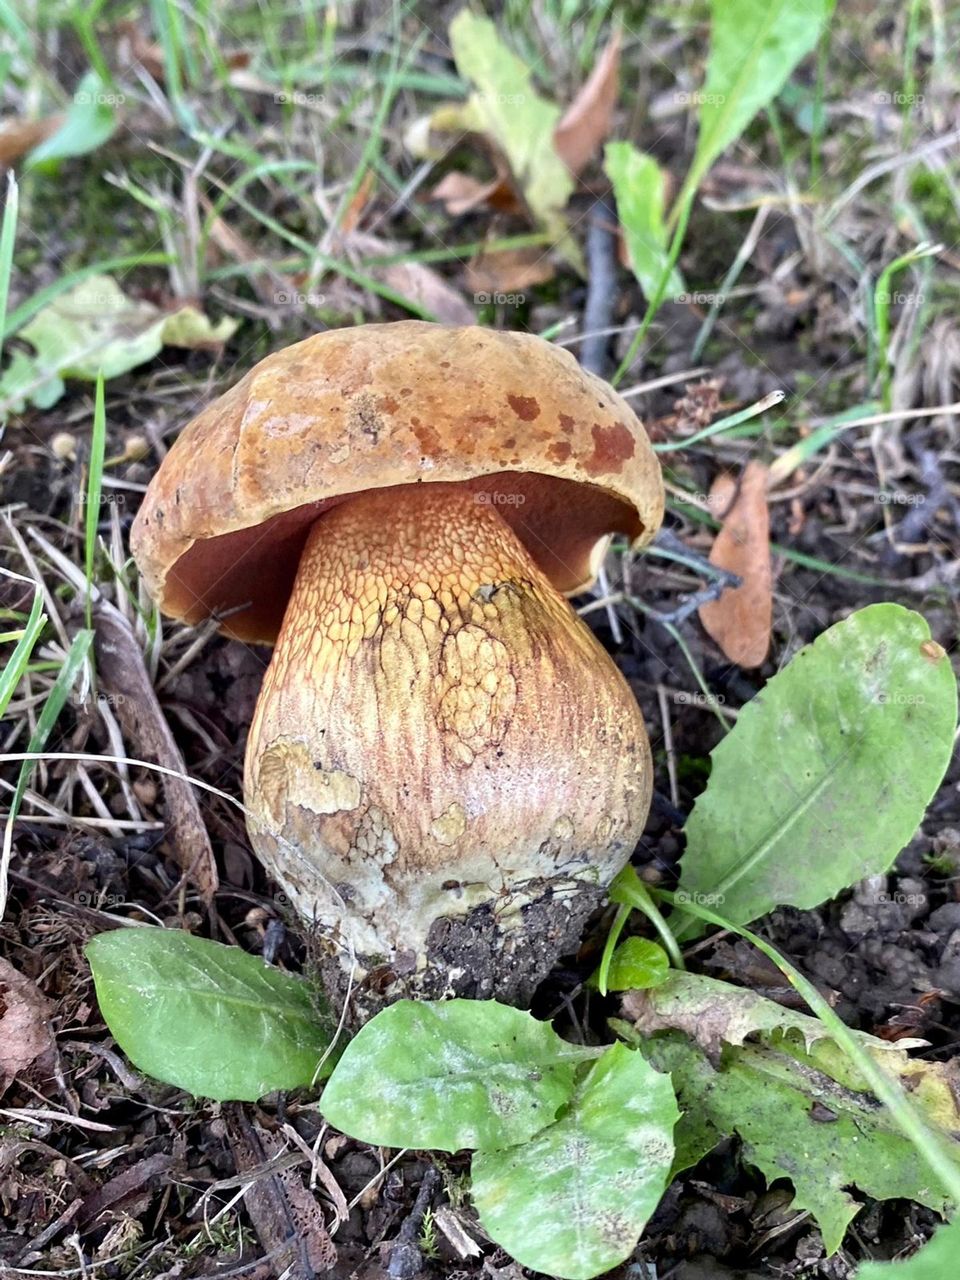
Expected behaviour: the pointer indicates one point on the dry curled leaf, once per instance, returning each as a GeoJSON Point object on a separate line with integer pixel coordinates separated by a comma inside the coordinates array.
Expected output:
{"type": "Point", "coordinates": [461, 192]}
{"type": "Point", "coordinates": [589, 118]}
{"type": "Point", "coordinates": [25, 1033]}
{"type": "Point", "coordinates": [741, 619]}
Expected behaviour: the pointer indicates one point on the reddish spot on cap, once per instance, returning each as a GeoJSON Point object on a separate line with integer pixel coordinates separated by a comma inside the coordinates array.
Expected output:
{"type": "Point", "coordinates": [612, 446]}
{"type": "Point", "coordinates": [525, 407]}
{"type": "Point", "coordinates": [560, 450]}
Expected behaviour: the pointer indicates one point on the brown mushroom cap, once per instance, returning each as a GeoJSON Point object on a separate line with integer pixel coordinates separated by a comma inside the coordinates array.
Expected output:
{"type": "Point", "coordinates": [561, 456]}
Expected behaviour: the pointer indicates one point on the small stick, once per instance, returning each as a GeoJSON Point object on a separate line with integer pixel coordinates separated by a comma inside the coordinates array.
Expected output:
{"type": "Point", "coordinates": [668, 746]}
{"type": "Point", "coordinates": [406, 1260]}
{"type": "Point", "coordinates": [601, 287]}
{"type": "Point", "coordinates": [668, 545]}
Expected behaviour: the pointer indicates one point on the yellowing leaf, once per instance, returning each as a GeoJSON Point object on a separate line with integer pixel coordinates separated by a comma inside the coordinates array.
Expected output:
{"type": "Point", "coordinates": [96, 326]}
{"type": "Point", "coordinates": [799, 1106]}
{"type": "Point", "coordinates": [189, 327]}
{"type": "Point", "coordinates": [506, 107]}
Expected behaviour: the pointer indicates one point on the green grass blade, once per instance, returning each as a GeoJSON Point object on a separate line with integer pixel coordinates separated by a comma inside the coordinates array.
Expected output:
{"type": "Point", "coordinates": [75, 660]}
{"type": "Point", "coordinates": [16, 664]}
{"type": "Point", "coordinates": [94, 490]}
{"type": "Point", "coordinates": [8, 234]}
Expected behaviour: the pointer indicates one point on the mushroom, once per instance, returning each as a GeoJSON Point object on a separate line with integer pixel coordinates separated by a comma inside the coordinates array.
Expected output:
{"type": "Point", "coordinates": [445, 768]}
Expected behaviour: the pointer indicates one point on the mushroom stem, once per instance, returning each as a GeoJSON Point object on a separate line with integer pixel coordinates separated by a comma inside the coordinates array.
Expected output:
{"type": "Point", "coordinates": [439, 733]}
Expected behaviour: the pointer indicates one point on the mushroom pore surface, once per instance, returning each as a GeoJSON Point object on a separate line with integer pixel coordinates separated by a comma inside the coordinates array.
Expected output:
{"type": "Point", "coordinates": [440, 738]}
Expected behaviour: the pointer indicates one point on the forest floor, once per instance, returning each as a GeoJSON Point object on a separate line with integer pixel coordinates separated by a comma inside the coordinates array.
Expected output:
{"type": "Point", "coordinates": [275, 185]}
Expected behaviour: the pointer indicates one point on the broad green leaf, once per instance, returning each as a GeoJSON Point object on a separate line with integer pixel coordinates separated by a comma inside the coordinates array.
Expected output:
{"type": "Point", "coordinates": [574, 1199]}
{"type": "Point", "coordinates": [89, 123]}
{"type": "Point", "coordinates": [744, 1065]}
{"type": "Point", "coordinates": [827, 772]}
{"type": "Point", "coordinates": [639, 185]}
{"type": "Point", "coordinates": [636, 963]}
{"type": "Point", "coordinates": [754, 46]}
{"type": "Point", "coordinates": [935, 1261]}
{"type": "Point", "coordinates": [506, 106]}
{"type": "Point", "coordinates": [208, 1018]}
{"type": "Point", "coordinates": [96, 326]}
{"type": "Point", "coordinates": [450, 1075]}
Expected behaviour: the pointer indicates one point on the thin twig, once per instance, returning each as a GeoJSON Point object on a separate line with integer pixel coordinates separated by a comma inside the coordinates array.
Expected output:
{"type": "Point", "coordinates": [601, 287]}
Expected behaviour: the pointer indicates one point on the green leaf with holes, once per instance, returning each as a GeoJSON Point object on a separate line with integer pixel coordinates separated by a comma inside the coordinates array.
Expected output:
{"type": "Point", "coordinates": [744, 1065]}
{"type": "Point", "coordinates": [827, 772]}
{"type": "Point", "coordinates": [935, 1260]}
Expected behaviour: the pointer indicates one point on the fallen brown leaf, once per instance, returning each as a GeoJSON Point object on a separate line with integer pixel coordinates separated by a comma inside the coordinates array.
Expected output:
{"type": "Point", "coordinates": [741, 619]}
{"type": "Point", "coordinates": [17, 137]}
{"type": "Point", "coordinates": [415, 280]}
{"type": "Point", "coordinates": [420, 283]}
{"type": "Point", "coordinates": [123, 679]}
{"type": "Point", "coordinates": [461, 193]}
{"type": "Point", "coordinates": [25, 1033]}
{"type": "Point", "coordinates": [589, 118]}
{"type": "Point", "coordinates": [509, 270]}
{"type": "Point", "coordinates": [138, 1182]}
{"type": "Point", "coordinates": [140, 48]}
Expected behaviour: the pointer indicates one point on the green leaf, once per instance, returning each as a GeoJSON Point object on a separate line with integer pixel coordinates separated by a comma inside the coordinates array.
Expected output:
{"type": "Point", "coordinates": [89, 123]}
{"type": "Point", "coordinates": [573, 1201]}
{"type": "Point", "coordinates": [189, 327]}
{"type": "Point", "coordinates": [462, 1073]}
{"type": "Point", "coordinates": [636, 963]}
{"type": "Point", "coordinates": [506, 106]}
{"type": "Point", "coordinates": [208, 1018]}
{"type": "Point", "coordinates": [95, 326]}
{"type": "Point", "coordinates": [936, 1260]}
{"type": "Point", "coordinates": [801, 1109]}
{"type": "Point", "coordinates": [827, 772]}
{"type": "Point", "coordinates": [639, 185]}
{"type": "Point", "coordinates": [754, 46]}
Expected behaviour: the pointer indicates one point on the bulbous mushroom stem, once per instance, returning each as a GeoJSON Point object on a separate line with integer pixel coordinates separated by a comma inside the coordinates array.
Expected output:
{"type": "Point", "coordinates": [444, 767]}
